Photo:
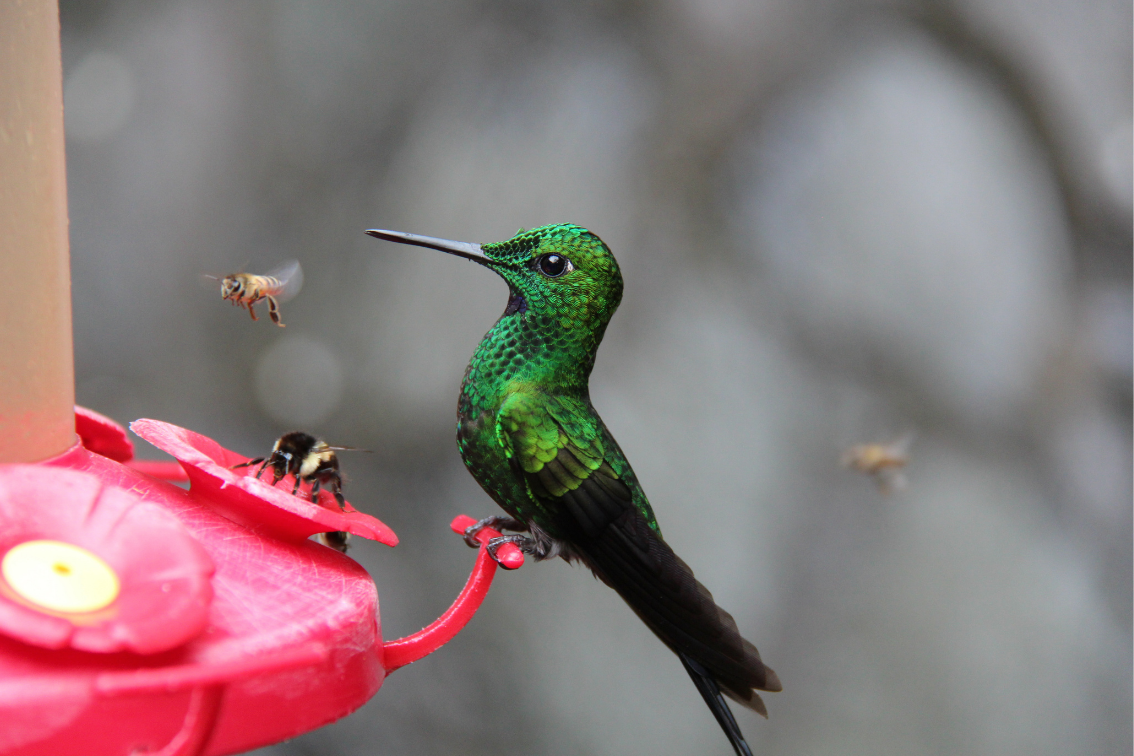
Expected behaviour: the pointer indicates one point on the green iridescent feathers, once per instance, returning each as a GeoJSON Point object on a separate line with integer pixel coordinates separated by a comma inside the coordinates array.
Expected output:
{"type": "Point", "coordinates": [530, 373]}
{"type": "Point", "coordinates": [582, 298]}
{"type": "Point", "coordinates": [528, 432]}
{"type": "Point", "coordinates": [552, 328]}
{"type": "Point", "coordinates": [558, 444]}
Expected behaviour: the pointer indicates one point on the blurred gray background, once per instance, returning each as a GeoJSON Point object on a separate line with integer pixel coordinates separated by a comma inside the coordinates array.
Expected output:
{"type": "Point", "coordinates": [838, 221]}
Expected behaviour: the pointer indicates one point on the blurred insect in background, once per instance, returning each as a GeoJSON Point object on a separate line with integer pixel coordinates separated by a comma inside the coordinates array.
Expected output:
{"type": "Point", "coordinates": [883, 461]}
{"type": "Point", "coordinates": [312, 461]}
{"type": "Point", "coordinates": [246, 289]}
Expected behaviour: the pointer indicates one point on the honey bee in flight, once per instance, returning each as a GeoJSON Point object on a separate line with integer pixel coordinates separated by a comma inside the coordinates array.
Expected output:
{"type": "Point", "coordinates": [278, 285]}
{"type": "Point", "coordinates": [312, 461]}
{"type": "Point", "coordinates": [883, 461]}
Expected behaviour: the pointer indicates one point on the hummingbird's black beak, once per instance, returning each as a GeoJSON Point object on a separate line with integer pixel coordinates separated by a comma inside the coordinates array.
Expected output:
{"type": "Point", "coordinates": [461, 249]}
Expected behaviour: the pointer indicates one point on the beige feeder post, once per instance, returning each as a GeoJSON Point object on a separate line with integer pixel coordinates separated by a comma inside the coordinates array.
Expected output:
{"type": "Point", "coordinates": [37, 370]}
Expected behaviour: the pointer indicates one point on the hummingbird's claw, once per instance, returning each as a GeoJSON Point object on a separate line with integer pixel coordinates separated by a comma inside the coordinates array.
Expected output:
{"type": "Point", "coordinates": [496, 522]}
{"type": "Point", "coordinates": [522, 542]}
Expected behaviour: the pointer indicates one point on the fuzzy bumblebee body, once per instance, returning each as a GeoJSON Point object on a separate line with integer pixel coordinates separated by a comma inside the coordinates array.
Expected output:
{"type": "Point", "coordinates": [309, 460]}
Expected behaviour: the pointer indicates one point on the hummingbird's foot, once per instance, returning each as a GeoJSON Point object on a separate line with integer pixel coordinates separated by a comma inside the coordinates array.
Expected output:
{"type": "Point", "coordinates": [522, 542]}
{"type": "Point", "coordinates": [496, 522]}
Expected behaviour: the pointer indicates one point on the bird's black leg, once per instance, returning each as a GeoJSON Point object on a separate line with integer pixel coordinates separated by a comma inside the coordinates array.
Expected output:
{"type": "Point", "coordinates": [524, 543]}
{"type": "Point", "coordinates": [496, 522]}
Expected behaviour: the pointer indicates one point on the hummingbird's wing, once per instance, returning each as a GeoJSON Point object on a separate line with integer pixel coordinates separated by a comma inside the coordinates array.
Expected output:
{"type": "Point", "coordinates": [563, 460]}
{"type": "Point", "coordinates": [587, 495]}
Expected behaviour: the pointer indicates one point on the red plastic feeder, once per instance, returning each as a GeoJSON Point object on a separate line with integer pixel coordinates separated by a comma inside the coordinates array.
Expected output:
{"type": "Point", "coordinates": [137, 617]}
{"type": "Point", "coordinates": [140, 617]}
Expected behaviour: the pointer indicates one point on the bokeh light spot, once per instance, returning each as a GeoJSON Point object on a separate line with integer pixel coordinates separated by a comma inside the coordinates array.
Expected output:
{"type": "Point", "coordinates": [299, 381]}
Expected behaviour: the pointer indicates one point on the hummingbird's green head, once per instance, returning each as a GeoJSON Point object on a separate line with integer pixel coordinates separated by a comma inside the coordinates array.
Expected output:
{"type": "Point", "coordinates": [563, 271]}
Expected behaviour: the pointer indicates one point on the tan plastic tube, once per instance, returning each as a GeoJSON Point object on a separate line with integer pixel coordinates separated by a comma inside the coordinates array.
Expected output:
{"type": "Point", "coordinates": [37, 364]}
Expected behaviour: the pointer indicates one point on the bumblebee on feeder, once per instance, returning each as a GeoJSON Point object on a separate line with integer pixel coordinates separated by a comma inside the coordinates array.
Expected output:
{"type": "Point", "coordinates": [309, 460]}
{"type": "Point", "coordinates": [246, 289]}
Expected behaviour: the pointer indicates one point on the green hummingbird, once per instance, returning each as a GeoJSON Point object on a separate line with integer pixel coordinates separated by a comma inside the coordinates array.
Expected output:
{"type": "Point", "coordinates": [528, 433]}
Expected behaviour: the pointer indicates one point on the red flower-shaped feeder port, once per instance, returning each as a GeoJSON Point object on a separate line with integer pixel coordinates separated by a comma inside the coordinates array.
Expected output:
{"type": "Point", "coordinates": [282, 638]}
{"type": "Point", "coordinates": [94, 568]}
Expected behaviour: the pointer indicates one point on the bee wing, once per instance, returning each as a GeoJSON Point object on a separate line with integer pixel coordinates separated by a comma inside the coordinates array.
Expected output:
{"type": "Point", "coordinates": [290, 274]}
{"type": "Point", "coordinates": [350, 448]}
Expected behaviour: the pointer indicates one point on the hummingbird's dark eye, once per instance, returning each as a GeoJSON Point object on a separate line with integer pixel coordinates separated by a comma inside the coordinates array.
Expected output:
{"type": "Point", "coordinates": [553, 266]}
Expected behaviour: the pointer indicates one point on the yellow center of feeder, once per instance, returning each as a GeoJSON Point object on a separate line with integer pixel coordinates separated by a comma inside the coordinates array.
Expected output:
{"type": "Point", "coordinates": [59, 576]}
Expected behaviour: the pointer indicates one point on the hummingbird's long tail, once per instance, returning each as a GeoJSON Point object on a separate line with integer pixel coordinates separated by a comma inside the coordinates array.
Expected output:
{"type": "Point", "coordinates": [711, 692]}
{"type": "Point", "coordinates": [634, 560]}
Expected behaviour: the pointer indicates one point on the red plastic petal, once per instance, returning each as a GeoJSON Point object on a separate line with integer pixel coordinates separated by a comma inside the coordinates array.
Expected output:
{"type": "Point", "coordinates": [164, 594]}
{"type": "Point", "coordinates": [161, 469]}
{"type": "Point", "coordinates": [102, 435]}
{"type": "Point", "coordinates": [254, 503]}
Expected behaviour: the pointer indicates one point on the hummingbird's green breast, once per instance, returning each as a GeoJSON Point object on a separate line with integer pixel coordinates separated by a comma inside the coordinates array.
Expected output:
{"type": "Point", "coordinates": [525, 394]}
{"type": "Point", "coordinates": [521, 411]}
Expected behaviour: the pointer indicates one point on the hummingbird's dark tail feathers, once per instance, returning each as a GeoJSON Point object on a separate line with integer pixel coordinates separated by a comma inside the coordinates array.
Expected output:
{"type": "Point", "coordinates": [711, 692]}
{"type": "Point", "coordinates": [634, 560]}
